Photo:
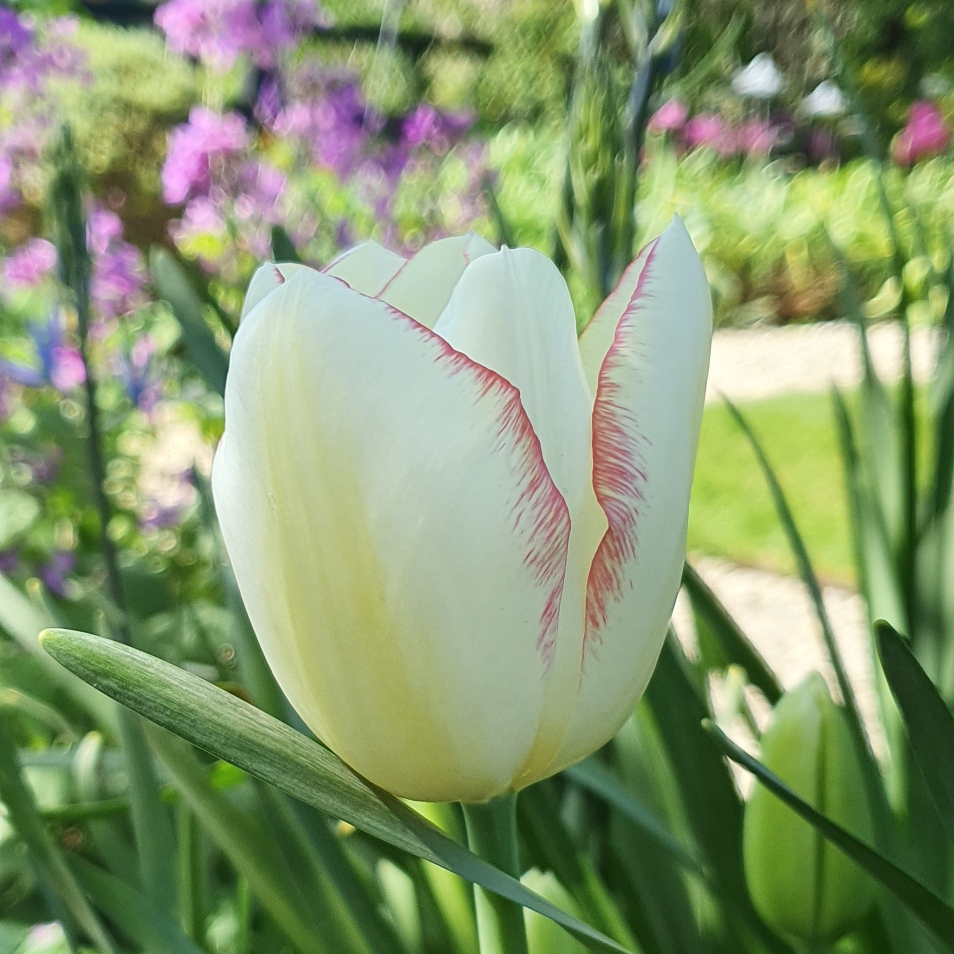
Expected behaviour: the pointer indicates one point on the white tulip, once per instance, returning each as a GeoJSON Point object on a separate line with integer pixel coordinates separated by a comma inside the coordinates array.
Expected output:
{"type": "Point", "coordinates": [458, 530]}
{"type": "Point", "coordinates": [761, 79]}
{"type": "Point", "coordinates": [825, 100]}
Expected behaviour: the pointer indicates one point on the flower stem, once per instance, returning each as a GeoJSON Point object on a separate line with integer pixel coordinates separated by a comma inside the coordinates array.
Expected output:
{"type": "Point", "coordinates": [492, 835]}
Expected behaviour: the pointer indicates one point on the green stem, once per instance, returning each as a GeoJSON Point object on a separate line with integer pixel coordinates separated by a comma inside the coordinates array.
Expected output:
{"type": "Point", "coordinates": [492, 835]}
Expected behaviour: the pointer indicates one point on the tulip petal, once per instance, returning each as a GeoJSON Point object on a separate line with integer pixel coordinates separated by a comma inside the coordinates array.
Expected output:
{"type": "Point", "coordinates": [511, 312]}
{"type": "Point", "coordinates": [646, 418]}
{"type": "Point", "coordinates": [396, 537]}
{"type": "Point", "coordinates": [422, 287]}
{"type": "Point", "coordinates": [265, 280]}
{"type": "Point", "coordinates": [367, 268]}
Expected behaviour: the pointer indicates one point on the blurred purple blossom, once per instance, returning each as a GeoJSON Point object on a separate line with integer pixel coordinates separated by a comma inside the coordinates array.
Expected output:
{"type": "Point", "coordinates": [757, 137]}
{"type": "Point", "coordinates": [54, 571]}
{"type": "Point", "coordinates": [207, 140]}
{"type": "Point", "coordinates": [43, 467]}
{"type": "Point", "coordinates": [119, 272]}
{"type": "Point", "coordinates": [137, 373]}
{"type": "Point", "coordinates": [925, 135]}
{"type": "Point", "coordinates": [9, 561]}
{"type": "Point", "coordinates": [28, 265]}
{"type": "Point", "coordinates": [60, 364]}
{"type": "Point", "coordinates": [218, 32]}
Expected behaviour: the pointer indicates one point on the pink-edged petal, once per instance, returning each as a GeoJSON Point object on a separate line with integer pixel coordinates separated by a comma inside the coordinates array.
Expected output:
{"type": "Point", "coordinates": [422, 287]}
{"type": "Point", "coordinates": [646, 418]}
{"type": "Point", "coordinates": [367, 268]}
{"type": "Point", "coordinates": [396, 537]}
{"type": "Point", "coordinates": [511, 312]}
{"type": "Point", "coordinates": [266, 279]}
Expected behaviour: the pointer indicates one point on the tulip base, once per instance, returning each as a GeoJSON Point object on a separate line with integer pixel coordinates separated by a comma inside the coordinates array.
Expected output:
{"type": "Point", "coordinates": [492, 835]}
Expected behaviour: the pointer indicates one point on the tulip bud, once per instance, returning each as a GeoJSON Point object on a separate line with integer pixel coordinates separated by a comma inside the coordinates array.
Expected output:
{"type": "Point", "coordinates": [803, 886]}
{"type": "Point", "coordinates": [458, 527]}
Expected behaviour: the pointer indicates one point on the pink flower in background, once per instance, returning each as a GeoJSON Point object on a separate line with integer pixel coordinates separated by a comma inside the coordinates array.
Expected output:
{"type": "Point", "coordinates": [205, 140]}
{"type": "Point", "coordinates": [925, 135]}
{"type": "Point", "coordinates": [757, 137]}
{"type": "Point", "coordinates": [119, 273]}
{"type": "Point", "coordinates": [710, 131]}
{"type": "Point", "coordinates": [28, 265]}
{"type": "Point", "coordinates": [670, 117]}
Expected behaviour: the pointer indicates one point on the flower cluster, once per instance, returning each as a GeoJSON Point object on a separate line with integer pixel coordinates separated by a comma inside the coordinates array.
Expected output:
{"type": "Point", "coordinates": [926, 135]}
{"type": "Point", "coordinates": [219, 32]}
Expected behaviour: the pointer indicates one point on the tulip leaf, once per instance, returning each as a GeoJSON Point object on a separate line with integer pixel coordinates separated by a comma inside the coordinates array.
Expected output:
{"type": "Point", "coordinates": [283, 249]}
{"type": "Point", "coordinates": [734, 644]}
{"type": "Point", "coordinates": [233, 730]}
{"type": "Point", "coordinates": [173, 283]}
{"type": "Point", "coordinates": [928, 907]}
{"type": "Point", "coordinates": [149, 927]}
{"type": "Point", "coordinates": [928, 720]}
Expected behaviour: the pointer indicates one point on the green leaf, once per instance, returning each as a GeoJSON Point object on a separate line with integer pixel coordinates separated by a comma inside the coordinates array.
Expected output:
{"type": "Point", "coordinates": [233, 730]}
{"type": "Point", "coordinates": [930, 909]}
{"type": "Point", "coordinates": [204, 351]}
{"type": "Point", "coordinates": [283, 249]}
{"type": "Point", "coordinates": [928, 720]}
{"type": "Point", "coordinates": [734, 644]}
{"type": "Point", "coordinates": [49, 862]}
{"type": "Point", "coordinates": [133, 914]}
{"type": "Point", "coordinates": [594, 777]}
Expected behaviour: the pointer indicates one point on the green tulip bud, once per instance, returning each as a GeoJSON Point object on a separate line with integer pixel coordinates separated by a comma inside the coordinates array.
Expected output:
{"type": "Point", "coordinates": [543, 935]}
{"type": "Point", "coordinates": [803, 886]}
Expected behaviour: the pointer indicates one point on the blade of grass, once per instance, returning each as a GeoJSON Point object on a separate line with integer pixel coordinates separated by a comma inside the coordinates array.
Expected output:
{"type": "Point", "coordinates": [930, 909]}
{"type": "Point", "coordinates": [283, 249]}
{"type": "Point", "coordinates": [237, 732]}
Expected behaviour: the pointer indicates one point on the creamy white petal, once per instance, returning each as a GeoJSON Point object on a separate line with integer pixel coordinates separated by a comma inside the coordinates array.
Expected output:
{"type": "Point", "coordinates": [646, 421]}
{"type": "Point", "coordinates": [422, 287]}
{"type": "Point", "coordinates": [597, 336]}
{"type": "Point", "coordinates": [511, 312]}
{"type": "Point", "coordinates": [367, 268]}
{"type": "Point", "coordinates": [265, 280]}
{"type": "Point", "coordinates": [396, 537]}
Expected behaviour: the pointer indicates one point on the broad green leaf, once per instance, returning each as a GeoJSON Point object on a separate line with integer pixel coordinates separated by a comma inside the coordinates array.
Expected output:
{"type": "Point", "coordinates": [174, 285]}
{"type": "Point", "coordinates": [928, 720]}
{"type": "Point", "coordinates": [930, 909]}
{"type": "Point", "coordinates": [734, 644]}
{"type": "Point", "coordinates": [49, 862]}
{"type": "Point", "coordinates": [232, 730]}
{"type": "Point", "coordinates": [151, 929]}
{"type": "Point", "coordinates": [283, 249]}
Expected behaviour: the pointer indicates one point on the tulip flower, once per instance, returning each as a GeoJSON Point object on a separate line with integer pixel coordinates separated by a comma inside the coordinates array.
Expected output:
{"type": "Point", "coordinates": [459, 530]}
{"type": "Point", "coordinates": [804, 887]}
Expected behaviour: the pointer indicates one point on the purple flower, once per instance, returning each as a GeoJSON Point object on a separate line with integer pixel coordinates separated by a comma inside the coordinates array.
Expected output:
{"type": "Point", "coordinates": [29, 264]}
{"type": "Point", "coordinates": [60, 364]}
{"type": "Point", "coordinates": [55, 570]}
{"type": "Point", "coordinates": [206, 140]}
{"type": "Point", "coordinates": [925, 135]}
{"type": "Point", "coordinates": [137, 373]}
{"type": "Point", "coordinates": [9, 561]}
{"type": "Point", "coordinates": [435, 130]}
{"type": "Point", "coordinates": [757, 137]}
{"type": "Point", "coordinates": [670, 117]}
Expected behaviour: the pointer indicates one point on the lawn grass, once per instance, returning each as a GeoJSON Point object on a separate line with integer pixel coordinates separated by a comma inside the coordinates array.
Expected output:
{"type": "Point", "coordinates": [732, 515]}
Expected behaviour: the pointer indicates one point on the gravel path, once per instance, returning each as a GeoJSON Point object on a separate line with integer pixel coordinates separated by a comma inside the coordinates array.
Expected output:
{"type": "Point", "coordinates": [748, 364]}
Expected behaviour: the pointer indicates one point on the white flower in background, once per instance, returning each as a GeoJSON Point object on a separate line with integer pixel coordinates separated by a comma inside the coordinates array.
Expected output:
{"type": "Point", "coordinates": [825, 101]}
{"type": "Point", "coordinates": [459, 530]}
{"type": "Point", "coordinates": [761, 79]}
